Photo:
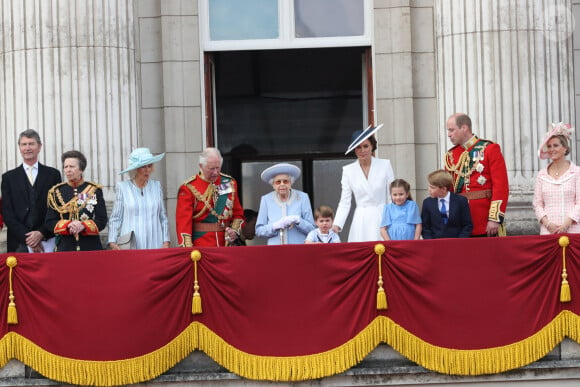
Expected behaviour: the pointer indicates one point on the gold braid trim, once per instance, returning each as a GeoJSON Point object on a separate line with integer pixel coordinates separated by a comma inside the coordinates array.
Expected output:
{"type": "Point", "coordinates": [495, 213]}
{"type": "Point", "coordinates": [463, 168]}
{"type": "Point", "coordinates": [57, 203]}
{"type": "Point", "coordinates": [210, 192]}
{"type": "Point", "coordinates": [292, 368]}
{"type": "Point", "coordinates": [456, 169]}
{"type": "Point", "coordinates": [201, 198]}
{"type": "Point", "coordinates": [237, 225]}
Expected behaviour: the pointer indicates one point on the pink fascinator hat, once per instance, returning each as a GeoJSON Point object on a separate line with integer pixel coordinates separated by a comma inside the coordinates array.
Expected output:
{"type": "Point", "coordinates": [557, 129]}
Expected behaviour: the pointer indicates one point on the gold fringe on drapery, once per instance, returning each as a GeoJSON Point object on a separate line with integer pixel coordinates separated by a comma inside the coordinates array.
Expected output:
{"type": "Point", "coordinates": [292, 368]}
{"type": "Point", "coordinates": [382, 329]}
{"type": "Point", "coordinates": [479, 361]}
{"type": "Point", "coordinates": [565, 295]}
{"type": "Point", "coordinates": [99, 373]}
{"type": "Point", "coordinates": [12, 316]}
{"type": "Point", "coordinates": [381, 295]}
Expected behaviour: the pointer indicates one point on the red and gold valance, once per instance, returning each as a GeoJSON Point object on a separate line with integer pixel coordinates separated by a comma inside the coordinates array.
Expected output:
{"type": "Point", "coordinates": [457, 306]}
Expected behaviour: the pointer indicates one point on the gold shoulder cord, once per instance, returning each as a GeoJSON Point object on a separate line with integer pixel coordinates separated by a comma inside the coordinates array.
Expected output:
{"type": "Point", "coordinates": [463, 168]}
{"type": "Point", "coordinates": [457, 169]}
{"type": "Point", "coordinates": [57, 203]}
{"type": "Point", "coordinates": [209, 192]}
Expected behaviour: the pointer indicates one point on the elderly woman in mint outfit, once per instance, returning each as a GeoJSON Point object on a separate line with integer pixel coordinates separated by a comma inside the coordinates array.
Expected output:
{"type": "Point", "coordinates": [139, 205]}
{"type": "Point", "coordinates": [285, 215]}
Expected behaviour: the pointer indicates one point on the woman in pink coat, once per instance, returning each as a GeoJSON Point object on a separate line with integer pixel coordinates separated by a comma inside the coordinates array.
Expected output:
{"type": "Point", "coordinates": [557, 191]}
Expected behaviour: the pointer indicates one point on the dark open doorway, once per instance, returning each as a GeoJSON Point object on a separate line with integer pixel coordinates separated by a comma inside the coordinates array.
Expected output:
{"type": "Point", "coordinates": [289, 105]}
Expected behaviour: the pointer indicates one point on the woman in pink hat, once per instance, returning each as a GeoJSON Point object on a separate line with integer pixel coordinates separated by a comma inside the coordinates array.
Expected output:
{"type": "Point", "coordinates": [557, 191]}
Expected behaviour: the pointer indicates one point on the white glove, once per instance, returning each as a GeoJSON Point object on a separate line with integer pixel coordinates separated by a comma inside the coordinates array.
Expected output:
{"type": "Point", "coordinates": [279, 224]}
{"type": "Point", "coordinates": [291, 219]}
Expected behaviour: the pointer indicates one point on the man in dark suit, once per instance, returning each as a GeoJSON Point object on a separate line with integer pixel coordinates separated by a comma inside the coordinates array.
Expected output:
{"type": "Point", "coordinates": [445, 214]}
{"type": "Point", "coordinates": [24, 193]}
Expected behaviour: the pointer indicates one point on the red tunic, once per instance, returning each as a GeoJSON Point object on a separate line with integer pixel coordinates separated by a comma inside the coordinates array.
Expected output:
{"type": "Point", "coordinates": [479, 172]}
{"type": "Point", "coordinates": [204, 210]}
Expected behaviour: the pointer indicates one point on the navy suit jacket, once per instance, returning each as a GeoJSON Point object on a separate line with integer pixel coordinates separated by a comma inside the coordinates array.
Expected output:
{"type": "Point", "coordinates": [23, 205]}
{"type": "Point", "coordinates": [459, 224]}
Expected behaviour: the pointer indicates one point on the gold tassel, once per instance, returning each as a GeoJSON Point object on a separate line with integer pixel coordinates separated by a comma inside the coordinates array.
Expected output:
{"type": "Point", "coordinates": [196, 302]}
{"type": "Point", "coordinates": [381, 299]}
{"type": "Point", "coordinates": [501, 231]}
{"type": "Point", "coordinates": [381, 295]}
{"type": "Point", "coordinates": [565, 295]}
{"type": "Point", "coordinates": [11, 262]}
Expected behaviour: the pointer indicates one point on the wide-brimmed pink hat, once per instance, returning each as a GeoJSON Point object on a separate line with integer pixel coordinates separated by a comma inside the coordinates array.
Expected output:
{"type": "Point", "coordinates": [557, 129]}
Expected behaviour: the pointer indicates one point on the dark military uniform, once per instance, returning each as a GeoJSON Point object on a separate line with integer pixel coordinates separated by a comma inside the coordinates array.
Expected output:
{"type": "Point", "coordinates": [83, 202]}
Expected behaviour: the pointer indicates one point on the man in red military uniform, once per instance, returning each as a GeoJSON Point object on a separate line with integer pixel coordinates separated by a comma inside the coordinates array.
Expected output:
{"type": "Point", "coordinates": [480, 174]}
{"type": "Point", "coordinates": [208, 211]}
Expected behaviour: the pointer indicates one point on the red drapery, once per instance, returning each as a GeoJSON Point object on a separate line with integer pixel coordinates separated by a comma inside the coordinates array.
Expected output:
{"type": "Point", "coordinates": [460, 306]}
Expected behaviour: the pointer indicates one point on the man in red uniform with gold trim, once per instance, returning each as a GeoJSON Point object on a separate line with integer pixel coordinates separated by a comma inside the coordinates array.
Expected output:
{"type": "Point", "coordinates": [209, 212]}
{"type": "Point", "coordinates": [480, 174]}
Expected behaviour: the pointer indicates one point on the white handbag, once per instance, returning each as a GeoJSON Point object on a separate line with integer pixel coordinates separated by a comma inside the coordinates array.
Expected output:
{"type": "Point", "coordinates": [127, 241]}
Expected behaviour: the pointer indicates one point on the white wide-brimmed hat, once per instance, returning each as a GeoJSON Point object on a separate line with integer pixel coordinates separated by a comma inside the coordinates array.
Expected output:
{"type": "Point", "coordinates": [557, 129]}
{"type": "Point", "coordinates": [360, 135]}
{"type": "Point", "coordinates": [141, 157]}
{"type": "Point", "coordinates": [280, 169]}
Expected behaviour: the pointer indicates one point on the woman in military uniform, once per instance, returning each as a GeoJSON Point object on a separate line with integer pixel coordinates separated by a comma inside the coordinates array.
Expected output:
{"type": "Point", "coordinates": [76, 209]}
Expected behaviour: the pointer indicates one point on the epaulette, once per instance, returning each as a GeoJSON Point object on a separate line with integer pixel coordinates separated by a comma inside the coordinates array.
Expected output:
{"type": "Point", "coordinates": [99, 186]}
{"type": "Point", "coordinates": [58, 185]}
{"type": "Point", "coordinates": [228, 176]}
{"type": "Point", "coordinates": [488, 141]}
{"type": "Point", "coordinates": [189, 180]}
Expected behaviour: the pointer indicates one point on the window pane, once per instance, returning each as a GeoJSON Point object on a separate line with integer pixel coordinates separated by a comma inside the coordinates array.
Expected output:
{"type": "Point", "coordinates": [288, 102]}
{"type": "Point", "coordinates": [248, 19]}
{"type": "Point", "coordinates": [327, 18]}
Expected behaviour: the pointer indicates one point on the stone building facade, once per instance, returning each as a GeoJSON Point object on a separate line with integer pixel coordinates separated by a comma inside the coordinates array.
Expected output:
{"type": "Point", "coordinates": [107, 76]}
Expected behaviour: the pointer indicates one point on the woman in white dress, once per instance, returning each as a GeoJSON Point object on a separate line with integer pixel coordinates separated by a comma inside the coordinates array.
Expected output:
{"type": "Point", "coordinates": [138, 206]}
{"type": "Point", "coordinates": [368, 179]}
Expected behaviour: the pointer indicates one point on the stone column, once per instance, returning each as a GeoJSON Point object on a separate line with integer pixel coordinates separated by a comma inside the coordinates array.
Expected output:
{"type": "Point", "coordinates": [67, 69]}
{"type": "Point", "coordinates": [509, 66]}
